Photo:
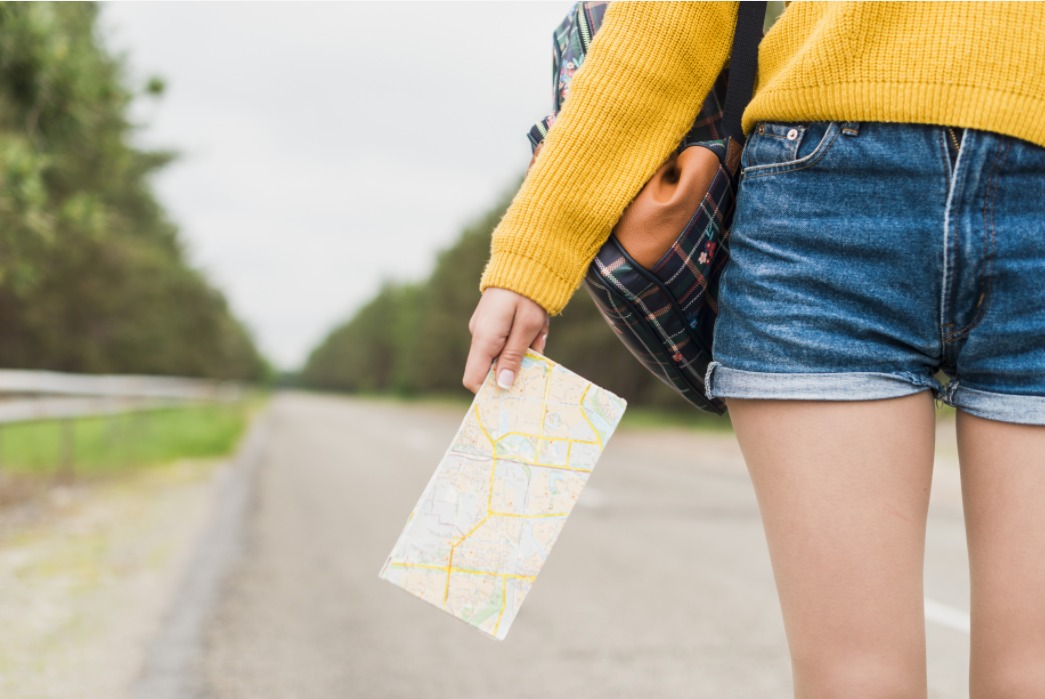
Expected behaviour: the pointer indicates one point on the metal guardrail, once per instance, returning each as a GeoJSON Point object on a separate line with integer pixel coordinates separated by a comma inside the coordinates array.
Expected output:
{"type": "Point", "coordinates": [33, 396]}
{"type": "Point", "coordinates": [42, 395]}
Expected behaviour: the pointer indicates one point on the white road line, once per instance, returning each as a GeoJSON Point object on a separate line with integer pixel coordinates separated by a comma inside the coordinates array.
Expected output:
{"type": "Point", "coordinates": [944, 615]}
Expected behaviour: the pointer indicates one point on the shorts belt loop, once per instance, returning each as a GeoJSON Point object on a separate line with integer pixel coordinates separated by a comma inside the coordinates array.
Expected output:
{"type": "Point", "coordinates": [851, 128]}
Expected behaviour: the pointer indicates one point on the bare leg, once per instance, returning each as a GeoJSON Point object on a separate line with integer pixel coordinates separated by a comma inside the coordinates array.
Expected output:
{"type": "Point", "coordinates": [1003, 488]}
{"type": "Point", "coordinates": [843, 488]}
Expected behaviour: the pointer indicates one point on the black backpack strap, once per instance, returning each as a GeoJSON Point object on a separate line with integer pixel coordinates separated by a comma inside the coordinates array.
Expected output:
{"type": "Point", "coordinates": [743, 66]}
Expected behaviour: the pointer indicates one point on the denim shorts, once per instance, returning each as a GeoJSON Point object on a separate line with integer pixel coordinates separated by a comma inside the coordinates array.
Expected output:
{"type": "Point", "coordinates": [872, 260]}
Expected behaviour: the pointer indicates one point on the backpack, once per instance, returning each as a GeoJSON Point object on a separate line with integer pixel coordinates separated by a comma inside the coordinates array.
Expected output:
{"type": "Point", "coordinates": [664, 308]}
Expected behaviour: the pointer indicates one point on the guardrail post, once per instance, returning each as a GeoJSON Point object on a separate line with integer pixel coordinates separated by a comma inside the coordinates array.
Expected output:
{"type": "Point", "coordinates": [68, 449]}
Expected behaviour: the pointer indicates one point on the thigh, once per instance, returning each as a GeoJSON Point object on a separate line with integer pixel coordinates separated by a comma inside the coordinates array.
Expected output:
{"type": "Point", "coordinates": [1003, 486]}
{"type": "Point", "coordinates": [843, 489]}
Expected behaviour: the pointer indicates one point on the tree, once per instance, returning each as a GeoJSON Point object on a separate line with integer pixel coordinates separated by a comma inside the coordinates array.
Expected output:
{"type": "Point", "coordinates": [93, 276]}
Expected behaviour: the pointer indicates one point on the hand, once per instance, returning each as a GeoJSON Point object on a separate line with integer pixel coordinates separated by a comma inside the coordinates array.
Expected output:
{"type": "Point", "coordinates": [503, 325]}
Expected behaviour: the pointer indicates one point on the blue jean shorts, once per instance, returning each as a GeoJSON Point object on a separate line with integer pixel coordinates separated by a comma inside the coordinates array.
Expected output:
{"type": "Point", "coordinates": [873, 260]}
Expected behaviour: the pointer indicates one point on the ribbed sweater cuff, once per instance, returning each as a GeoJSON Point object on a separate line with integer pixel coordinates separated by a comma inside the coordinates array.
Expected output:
{"type": "Point", "coordinates": [531, 278]}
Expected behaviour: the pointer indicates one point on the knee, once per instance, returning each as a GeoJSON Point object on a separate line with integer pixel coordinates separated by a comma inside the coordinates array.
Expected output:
{"type": "Point", "coordinates": [1012, 680]}
{"type": "Point", "coordinates": [861, 676]}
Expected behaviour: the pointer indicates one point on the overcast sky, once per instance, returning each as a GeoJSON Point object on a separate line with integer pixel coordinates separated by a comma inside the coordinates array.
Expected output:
{"type": "Point", "coordinates": [328, 146]}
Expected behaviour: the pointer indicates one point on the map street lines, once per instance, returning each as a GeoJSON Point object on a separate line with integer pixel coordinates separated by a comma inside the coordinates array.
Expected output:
{"type": "Point", "coordinates": [499, 498]}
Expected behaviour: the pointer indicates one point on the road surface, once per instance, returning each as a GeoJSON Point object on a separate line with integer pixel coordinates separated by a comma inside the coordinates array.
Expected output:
{"type": "Point", "coordinates": [660, 585]}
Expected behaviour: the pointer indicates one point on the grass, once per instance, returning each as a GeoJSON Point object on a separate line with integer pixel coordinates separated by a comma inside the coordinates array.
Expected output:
{"type": "Point", "coordinates": [642, 417]}
{"type": "Point", "coordinates": [113, 443]}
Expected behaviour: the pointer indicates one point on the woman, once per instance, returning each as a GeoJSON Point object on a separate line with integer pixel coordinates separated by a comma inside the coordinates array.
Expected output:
{"type": "Point", "coordinates": [890, 224]}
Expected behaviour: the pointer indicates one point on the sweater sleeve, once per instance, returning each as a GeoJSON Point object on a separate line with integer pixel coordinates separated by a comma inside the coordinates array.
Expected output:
{"type": "Point", "coordinates": [646, 75]}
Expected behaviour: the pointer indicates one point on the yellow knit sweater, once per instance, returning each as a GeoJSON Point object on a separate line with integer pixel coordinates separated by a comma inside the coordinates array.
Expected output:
{"type": "Point", "coordinates": [979, 65]}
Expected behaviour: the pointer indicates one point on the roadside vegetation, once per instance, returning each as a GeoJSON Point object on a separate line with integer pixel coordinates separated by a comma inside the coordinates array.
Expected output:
{"type": "Point", "coordinates": [115, 443]}
{"type": "Point", "coordinates": [94, 276]}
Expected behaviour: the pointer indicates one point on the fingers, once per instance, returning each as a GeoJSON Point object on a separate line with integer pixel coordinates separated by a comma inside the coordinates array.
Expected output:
{"type": "Point", "coordinates": [503, 325]}
{"type": "Point", "coordinates": [528, 324]}
{"type": "Point", "coordinates": [490, 327]}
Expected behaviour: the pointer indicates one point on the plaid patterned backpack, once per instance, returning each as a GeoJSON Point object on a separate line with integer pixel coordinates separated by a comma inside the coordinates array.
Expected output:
{"type": "Point", "coordinates": [663, 309]}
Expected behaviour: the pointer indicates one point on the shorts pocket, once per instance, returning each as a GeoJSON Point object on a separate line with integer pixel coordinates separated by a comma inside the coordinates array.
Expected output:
{"type": "Point", "coordinates": [776, 147]}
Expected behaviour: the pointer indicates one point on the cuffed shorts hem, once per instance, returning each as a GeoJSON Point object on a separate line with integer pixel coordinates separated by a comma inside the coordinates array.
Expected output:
{"type": "Point", "coordinates": [1004, 407]}
{"type": "Point", "coordinates": [725, 382]}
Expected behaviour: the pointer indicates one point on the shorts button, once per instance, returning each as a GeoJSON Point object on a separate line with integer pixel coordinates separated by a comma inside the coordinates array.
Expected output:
{"type": "Point", "coordinates": [792, 134]}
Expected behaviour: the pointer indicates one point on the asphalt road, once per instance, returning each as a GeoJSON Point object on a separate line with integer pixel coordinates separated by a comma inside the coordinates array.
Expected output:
{"type": "Point", "coordinates": [660, 585]}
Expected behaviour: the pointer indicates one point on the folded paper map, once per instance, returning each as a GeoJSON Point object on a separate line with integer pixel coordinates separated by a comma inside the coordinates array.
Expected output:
{"type": "Point", "coordinates": [492, 511]}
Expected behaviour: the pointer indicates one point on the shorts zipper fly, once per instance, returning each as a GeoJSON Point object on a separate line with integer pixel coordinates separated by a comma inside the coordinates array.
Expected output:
{"type": "Point", "coordinates": [955, 141]}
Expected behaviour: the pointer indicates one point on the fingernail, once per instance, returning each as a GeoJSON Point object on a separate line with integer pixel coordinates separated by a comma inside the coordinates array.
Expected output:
{"type": "Point", "coordinates": [505, 379]}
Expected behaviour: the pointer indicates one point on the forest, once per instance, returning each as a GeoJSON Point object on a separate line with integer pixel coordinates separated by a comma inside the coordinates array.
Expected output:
{"type": "Point", "coordinates": [94, 274]}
